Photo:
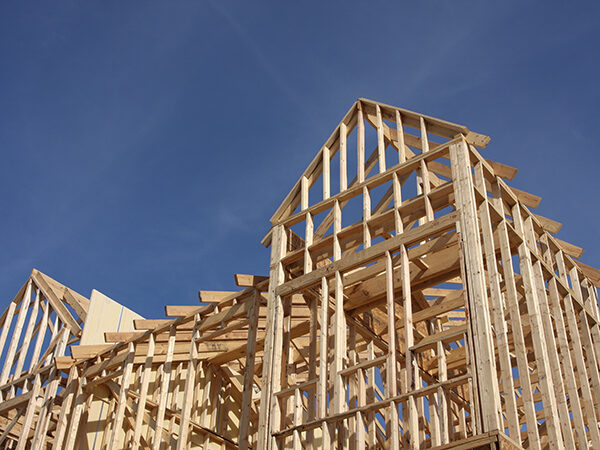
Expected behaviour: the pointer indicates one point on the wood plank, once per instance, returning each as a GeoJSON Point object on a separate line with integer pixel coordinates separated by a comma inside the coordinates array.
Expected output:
{"type": "Point", "coordinates": [380, 140]}
{"type": "Point", "coordinates": [244, 280]}
{"type": "Point", "coordinates": [214, 296]}
{"type": "Point", "coordinates": [180, 310]}
{"type": "Point", "coordinates": [15, 402]}
{"type": "Point", "coordinates": [452, 334]}
{"type": "Point", "coordinates": [502, 170]}
{"type": "Point", "coordinates": [569, 249]}
{"type": "Point", "coordinates": [64, 362]}
{"type": "Point", "coordinates": [343, 158]}
{"type": "Point", "coordinates": [551, 226]}
{"type": "Point", "coordinates": [590, 272]}
{"type": "Point", "coordinates": [441, 306]}
{"type": "Point", "coordinates": [531, 200]}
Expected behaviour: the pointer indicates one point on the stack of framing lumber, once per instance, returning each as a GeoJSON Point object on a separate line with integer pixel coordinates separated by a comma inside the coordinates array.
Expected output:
{"type": "Point", "coordinates": [414, 300]}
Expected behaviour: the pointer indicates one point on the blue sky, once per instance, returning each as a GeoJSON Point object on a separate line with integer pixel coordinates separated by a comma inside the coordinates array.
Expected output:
{"type": "Point", "coordinates": [146, 144]}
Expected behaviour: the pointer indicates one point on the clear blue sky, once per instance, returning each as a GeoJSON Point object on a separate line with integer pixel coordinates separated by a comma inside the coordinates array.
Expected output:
{"type": "Point", "coordinates": [145, 144]}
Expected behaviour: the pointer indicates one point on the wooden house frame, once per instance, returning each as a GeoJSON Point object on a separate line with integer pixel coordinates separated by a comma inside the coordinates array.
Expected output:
{"type": "Point", "coordinates": [414, 300]}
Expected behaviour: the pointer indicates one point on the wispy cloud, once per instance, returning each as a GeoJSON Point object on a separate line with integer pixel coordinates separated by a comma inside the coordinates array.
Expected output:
{"type": "Point", "coordinates": [266, 64]}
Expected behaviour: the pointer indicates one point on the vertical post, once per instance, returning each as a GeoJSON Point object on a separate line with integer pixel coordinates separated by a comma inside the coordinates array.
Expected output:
{"type": "Point", "coordinates": [297, 441]}
{"type": "Point", "coordinates": [164, 388]}
{"type": "Point", "coordinates": [337, 227]}
{"type": "Point", "coordinates": [253, 315]}
{"type": "Point", "coordinates": [400, 136]}
{"type": "Point", "coordinates": [380, 141]}
{"type": "Point", "coordinates": [361, 401]}
{"type": "Point", "coordinates": [476, 291]}
{"type": "Point", "coordinates": [273, 343]}
{"type": "Point", "coordinates": [397, 193]}
{"type": "Point", "coordinates": [326, 173]}
{"type": "Point", "coordinates": [471, 388]}
{"type": "Point", "coordinates": [370, 394]}
{"type": "Point", "coordinates": [443, 411]}
{"type": "Point", "coordinates": [81, 399]}
{"type": "Point", "coordinates": [432, 399]}
{"type": "Point", "coordinates": [391, 381]}
{"type": "Point", "coordinates": [323, 351]}
{"type": "Point", "coordinates": [424, 140]}
{"type": "Point", "coordinates": [120, 410]}
{"type": "Point", "coordinates": [352, 386]}
{"type": "Point", "coordinates": [343, 158]}
{"type": "Point", "coordinates": [409, 341]}
{"type": "Point", "coordinates": [312, 368]}
{"type": "Point", "coordinates": [366, 216]}
{"type": "Point", "coordinates": [423, 176]}
{"type": "Point", "coordinates": [188, 390]}
{"type": "Point", "coordinates": [288, 375]}
{"type": "Point", "coordinates": [339, 391]}
{"type": "Point", "coordinates": [304, 192]}
{"type": "Point", "coordinates": [360, 145]}
{"type": "Point", "coordinates": [207, 399]}
{"type": "Point", "coordinates": [141, 404]}
{"type": "Point", "coordinates": [308, 240]}
{"type": "Point", "coordinates": [28, 419]}
{"type": "Point", "coordinates": [65, 408]}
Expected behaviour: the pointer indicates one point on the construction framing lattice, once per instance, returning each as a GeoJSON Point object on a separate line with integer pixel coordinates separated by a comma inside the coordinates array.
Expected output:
{"type": "Point", "coordinates": [422, 304]}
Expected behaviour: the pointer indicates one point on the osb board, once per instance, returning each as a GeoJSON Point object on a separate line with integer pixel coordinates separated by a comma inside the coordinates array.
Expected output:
{"type": "Point", "coordinates": [106, 315]}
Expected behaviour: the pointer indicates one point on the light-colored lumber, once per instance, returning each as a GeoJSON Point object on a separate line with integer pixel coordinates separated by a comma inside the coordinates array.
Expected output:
{"type": "Point", "coordinates": [498, 313]}
{"type": "Point", "coordinates": [243, 439]}
{"type": "Point", "coordinates": [478, 306]}
{"type": "Point", "coordinates": [416, 303]}
{"type": "Point", "coordinates": [12, 348]}
{"type": "Point", "coordinates": [244, 280]}
{"type": "Point", "coordinates": [539, 343]}
{"type": "Point", "coordinates": [213, 296]}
